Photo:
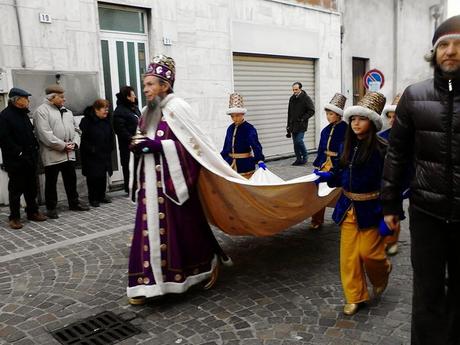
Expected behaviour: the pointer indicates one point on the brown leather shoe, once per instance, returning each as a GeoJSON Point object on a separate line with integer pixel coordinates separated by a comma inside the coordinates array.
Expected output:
{"type": "Point", "coordinates": [37, 217]}
{"type": "Point", "coordinates": [15, 224]}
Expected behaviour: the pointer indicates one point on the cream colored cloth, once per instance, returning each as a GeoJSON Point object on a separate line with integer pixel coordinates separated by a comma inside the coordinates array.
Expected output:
{"type": "Point", "coordinates": [263, 205]}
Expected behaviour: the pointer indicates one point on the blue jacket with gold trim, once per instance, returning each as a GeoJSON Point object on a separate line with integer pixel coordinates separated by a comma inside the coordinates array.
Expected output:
{"type": "Point", "coordinates": [332, 137]}
{"type": "Point", "coordinates": [360, 178]}
{"type": "Point", "coordinates": [245, 141]}
{"type": "Point", "coordinates": [385, 134]}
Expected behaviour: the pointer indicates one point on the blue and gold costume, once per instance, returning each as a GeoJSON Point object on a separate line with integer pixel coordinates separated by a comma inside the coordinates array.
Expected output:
{"type": "Point", "coordinates": [361, 188]}
{"type": "Point", "coordinates": [359, 208]}
{"type": "Point", "coordinates": [359, 212]}
{"type": "Point", "coordinates": [332, 137]}
{"type": "Point", "coordinates": [242, 149]}
{"type": "Point", "coordinates": [385, 134]}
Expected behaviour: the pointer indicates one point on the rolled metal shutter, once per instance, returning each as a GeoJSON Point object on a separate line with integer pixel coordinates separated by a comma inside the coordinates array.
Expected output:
{"type": "Point", "coordinates": [265, 83]}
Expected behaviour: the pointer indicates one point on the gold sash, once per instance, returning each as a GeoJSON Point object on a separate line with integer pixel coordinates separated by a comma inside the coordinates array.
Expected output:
{"type": "Point", "coordinates": [362, 196]}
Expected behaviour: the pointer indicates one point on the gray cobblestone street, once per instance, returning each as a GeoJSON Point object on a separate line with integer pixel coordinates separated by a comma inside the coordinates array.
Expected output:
{"type": "Point", "coordinates": [282, 290]}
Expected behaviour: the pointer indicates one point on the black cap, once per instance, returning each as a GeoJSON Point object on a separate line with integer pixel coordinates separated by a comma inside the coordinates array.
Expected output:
{"type": "Point", "coordinates": [15, 91]}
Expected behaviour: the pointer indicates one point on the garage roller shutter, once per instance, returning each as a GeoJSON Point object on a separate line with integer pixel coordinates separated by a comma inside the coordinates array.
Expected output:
{"type": "Point", "coordinates": [265, 83]}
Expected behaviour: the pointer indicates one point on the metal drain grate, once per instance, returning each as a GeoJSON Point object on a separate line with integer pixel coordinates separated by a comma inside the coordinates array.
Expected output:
{"type": "Point", "coordinates": [102, 329]}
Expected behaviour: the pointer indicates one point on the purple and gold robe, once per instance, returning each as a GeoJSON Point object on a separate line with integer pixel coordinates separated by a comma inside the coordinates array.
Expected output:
{"type": "Point", "coordinates": [173, 246]}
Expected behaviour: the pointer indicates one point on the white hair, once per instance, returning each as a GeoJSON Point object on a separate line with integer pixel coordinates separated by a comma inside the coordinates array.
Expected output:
{"type": "Point", "coordinates": [14, 99]}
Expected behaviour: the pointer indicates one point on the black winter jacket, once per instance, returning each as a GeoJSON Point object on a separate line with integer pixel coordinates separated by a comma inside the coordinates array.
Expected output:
{"type": "Point", "coordinates": [125, 119]}
{"type": "Point", "coordinates": [426, 136]}
{"type": "Point", "coordinates": [97, 142]}
{"type": "Point", "coordinates": [300, 109]}
{"type": "Point", "coordinates": [17, 140]}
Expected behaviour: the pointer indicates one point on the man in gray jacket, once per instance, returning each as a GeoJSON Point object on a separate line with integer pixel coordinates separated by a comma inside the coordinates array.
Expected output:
{"type": "Point", "coordinates": [58, 138]}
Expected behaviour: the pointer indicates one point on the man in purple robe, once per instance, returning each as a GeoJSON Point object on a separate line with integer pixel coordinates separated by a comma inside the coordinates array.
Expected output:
{"type": "Point", "coordinates": [173, 246]}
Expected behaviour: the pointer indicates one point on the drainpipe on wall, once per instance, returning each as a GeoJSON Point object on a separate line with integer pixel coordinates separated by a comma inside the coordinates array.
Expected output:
{"type": "Point", "coordinates": [342, 33]}
{"type": "Point", "coordinates": [341, 10]}
{"type": "Point", "coordinates": [395, 45]}
{"type": "Point", "coordinates": [21, 44]}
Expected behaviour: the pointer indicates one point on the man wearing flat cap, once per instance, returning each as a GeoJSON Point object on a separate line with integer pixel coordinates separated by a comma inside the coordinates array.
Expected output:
{"type": "Point", "coordinates": [425, 138]}
{"type": "Point", "coordinates": [58, 137]}
{"type": "Point", "coordinates": [20, 154]}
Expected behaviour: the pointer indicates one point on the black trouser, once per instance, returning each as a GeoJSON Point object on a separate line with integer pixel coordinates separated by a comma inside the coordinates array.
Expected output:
{"type": "Point", "coordinates": [124, 160]}
{"type": "Point", "coordinates": [126, 178]}
{"type": "Point", "coordinates": [22, 182]}
{"type": "Point", "coordinates": [436, 301]}
{"type": "Point", "coordinates": [69, 178]}
{"type": "Point", "coordinates": [96, 187]}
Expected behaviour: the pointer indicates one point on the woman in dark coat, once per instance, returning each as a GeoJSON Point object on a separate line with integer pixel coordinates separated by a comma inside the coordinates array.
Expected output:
{"type": "Point", "coordinates": [125, 120]}
{"type": "Point", "coordinates": [96, 150]}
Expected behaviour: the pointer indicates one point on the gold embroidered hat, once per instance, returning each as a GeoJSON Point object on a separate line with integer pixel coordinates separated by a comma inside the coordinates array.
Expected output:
{"type": "Point", "coordinates": [392, 106]}
{"type": "Point", "coordinates": [370, 106]}
{"type": "Point", "coordinates": [236, 104]}
{"type": "Point", "coordinates": [163, 67]}
{"type": "Point", "coordinates": [336, 104]}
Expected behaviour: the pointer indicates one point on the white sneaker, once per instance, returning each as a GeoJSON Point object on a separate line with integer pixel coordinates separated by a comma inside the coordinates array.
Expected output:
{"type": "Point", "coordinates": [392, 249]}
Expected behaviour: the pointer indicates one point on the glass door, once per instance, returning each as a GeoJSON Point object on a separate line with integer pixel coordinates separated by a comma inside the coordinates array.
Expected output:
{"type": "Point", "coordinates": [124, 43]}
{"type": "Point", "coordinates": [123, 63]}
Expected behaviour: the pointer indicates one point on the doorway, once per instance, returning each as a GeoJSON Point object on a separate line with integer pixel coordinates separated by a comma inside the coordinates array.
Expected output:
{"type": "Point", "coordinates": [124, 42]}
{"type": "Point", "coordinates": [360, 66]}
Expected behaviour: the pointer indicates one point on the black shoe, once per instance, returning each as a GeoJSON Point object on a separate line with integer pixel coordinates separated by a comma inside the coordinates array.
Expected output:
{"type": "Point", "coordinates": [296, 162]}
{"type": "Point", "coordinates": [94, 203]}
{"type": "Point", "coordinates": [52, 214]}
{"type": "Point", "coordinates": [106, 200]}
{"type": "Point", "coordinates": [79, 207]}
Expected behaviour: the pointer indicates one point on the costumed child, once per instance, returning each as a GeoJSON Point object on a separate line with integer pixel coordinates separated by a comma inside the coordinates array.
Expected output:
{"type": "Point", "coordinates": [332, 137]}
{"type": "Point", "coordinates": [390, 113]}
{"type": "Point", "coordinates": [358, 210]}
{"type": "Point", "coordinates": [242, 149]}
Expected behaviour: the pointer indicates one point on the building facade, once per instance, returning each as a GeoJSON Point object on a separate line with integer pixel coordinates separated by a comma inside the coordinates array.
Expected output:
{"type": "Point", "coordinates": [255, 47]}
{"type": "Point", "coordinates": [392, 36]}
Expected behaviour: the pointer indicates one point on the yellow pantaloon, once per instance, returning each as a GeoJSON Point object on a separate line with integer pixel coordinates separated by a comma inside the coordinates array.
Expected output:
{"type": "Point", "coordinates": [361, 252]}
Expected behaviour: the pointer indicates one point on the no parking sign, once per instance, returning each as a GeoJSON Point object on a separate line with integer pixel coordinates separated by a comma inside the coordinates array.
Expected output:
{"type": "Point", "coordinates": [373, 80]}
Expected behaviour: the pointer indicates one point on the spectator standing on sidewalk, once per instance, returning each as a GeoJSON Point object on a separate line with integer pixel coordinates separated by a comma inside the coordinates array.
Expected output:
{"type": "Point", "coordinates": [20, 157]}
{"type": "Point", "coordinates": [56, 131]}
{"type": "Point", "coordinates": [97, 142]}
{"type": "Point", "coordinates": [426, 136]}
{"type": "Point", "coordinates": [125, 120]}
{"type": "Point", "coordinates": [358, 210]}
{"type": "Point", "coordinates": [300, 109]}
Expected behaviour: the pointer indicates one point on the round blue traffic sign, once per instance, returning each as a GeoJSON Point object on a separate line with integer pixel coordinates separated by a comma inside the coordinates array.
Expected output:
{"type": "Point", "coordinates": [373, 76]}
